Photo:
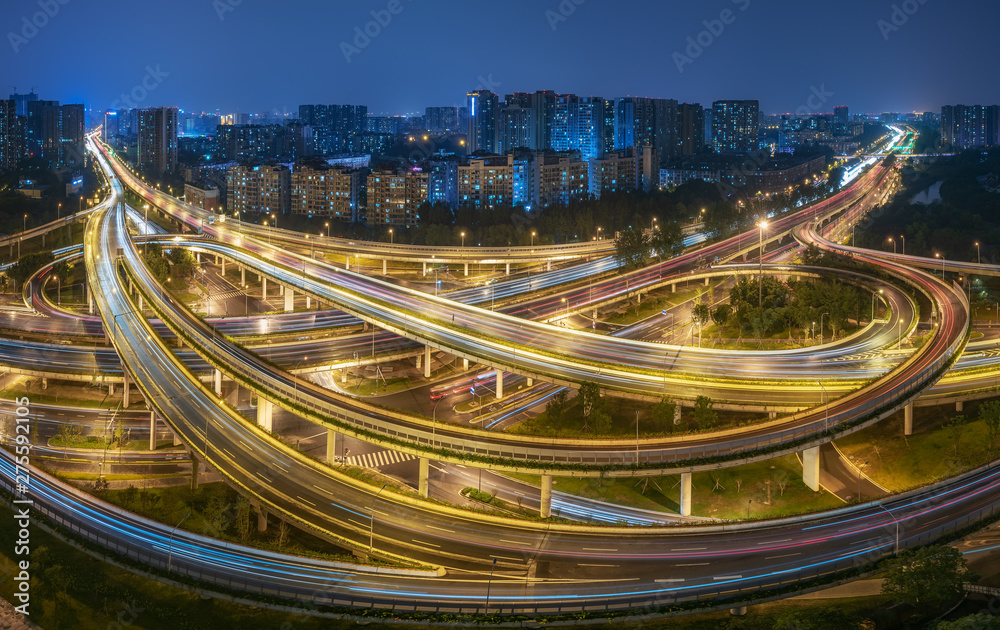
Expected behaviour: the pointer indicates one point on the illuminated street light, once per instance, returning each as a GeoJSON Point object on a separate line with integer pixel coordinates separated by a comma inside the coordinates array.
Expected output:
{"type": "Point", "coordinates": [760, 283]}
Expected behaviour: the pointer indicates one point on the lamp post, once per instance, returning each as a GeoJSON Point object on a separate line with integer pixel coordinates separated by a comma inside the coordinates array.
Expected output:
{"type": "Point", "coordinates": [895, 520]}
{"type": "Point", "coordinates": [902, 240]}
{"type": "Point", "coordinates": [489, 585]}
{"type": "Point", "coordinates": [893, 245]}
{"type": "Point", "coordinates": [371, 528]}
{"type": "Point", "coordinates": [826, 401]}
{"type": "Point", "coordinates": [566, 302]}
{"type": "Point", "coordinates": [814, 332]}
{"type": "Point", "coordinates": [899, 334]}
{"type": "Point", "coordinates": [652, 224]}
{"type": "Point", "coordinates": [760, 282]}
{"type": "Point", "coordinates": [859, 479]}
{"type": "Point", "coordinates": [170, 541]}
{"type": "Point", "coordinates": [941, 256]}
{"type": "Point", "coordinates": [463, 240]}
{"type": "Point", "coordinates": [392, 237]}
{"type": "Point", "coordinates": [821, 327]}
{"type": "Point", "coordinates": [979, 254]}
{"type": "Point", "coordinates": [874, 295]}
{"type": "Point", "coordinates": [532, 238]}
{"type": "Point", "coordinates": [328, 230]}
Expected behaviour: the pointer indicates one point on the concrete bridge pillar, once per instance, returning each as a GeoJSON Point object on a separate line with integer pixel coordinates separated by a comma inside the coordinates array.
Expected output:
{"type": "Point", "coordinates": [384, 267]}
{"type": "Point", "coordinates": [45, 383]}
{"type": "Point", "coordinates": [466, 269]}
{"type": "Point", "coordinates": [548, 266]}
{"type": "Point", "coordinates": [499, 384]}
{"type": "Point", "coordinates": [331, 445]}
{"type": "Point", "coordinates": [508, 269]}
{"type": "Point", "coordinates": [281, 290]}
{"type": "Point", "coordinates": [125, 392]}
{"type": "Point", "coordinates": [263, 288]}
{"type": "Point", "coordinates": [545, 510]}
{"type": "Point", "coordinates": [686, 488]}
{"type": "Point", "coordinates": [810, 468]}
{"type": "Point", "coordinates": [197, 257]}
{"type": "Point", "coordinates": [111, 389]}
{"type": "Point", "coordinates": [427, 361]}
{"type": "Point", "coordinates": [194, 472]}
{"type": "Point", "coordinates": [140, 303]}
{"type": "Point", "coordinates": [217, 378]}
{"type": "Point", "coordinates": [177, 438]}
{"type": "Point", "coordinates": [425, 468]}
{"type": "Point", "coordinates": [223, 267]}
{"type": "Point", "coordinates": [465, 364]}
{"type": "Point", "coordinates": [531, 382]}
{"type": "Point", "coordinates": [243, 275]}
{"type": "Point", "coordinates": [425, 267]}
{"type": "Point", "coordinates": [90, 300]}
{"type": "Point", "coordinates": [960, 406]}
{"type": "Point", "coordinates": [265, 411]}
{"type": "Point", "coordinates": [152, 431]}
{"type": "Point", "coordinates": [706, 282]}
{"type": "Point", "coordinates": [673, 288]}
{"type": "Point", "coordinates": [261, 518]}
{"type": "Point", "coordinates": [908, 419]}
{"type": "Point", "coordinates": [289, 300]}
{"type": "Point", "coordinates": [308, 302]}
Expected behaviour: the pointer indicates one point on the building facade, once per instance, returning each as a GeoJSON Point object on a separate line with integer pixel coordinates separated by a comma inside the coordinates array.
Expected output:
{"type": "Point", "coordinates": [970, 126]}
{"type": "Point", "coordinates": [158, 140]}
{"type": "Point", "coordinates": [332, 192]}
{"type": "Point", "coordinates": [258, 189]}
{"type": "Point", "coordinates": [735, 126]}
{"type": "Point", "coordinates": [395, 196]}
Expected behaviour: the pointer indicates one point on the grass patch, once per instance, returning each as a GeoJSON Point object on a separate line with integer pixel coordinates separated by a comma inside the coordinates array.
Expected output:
{"type": "Point", "coordinates": [935, 451]}
{"type": "Point", "coordinates": [371, 387]}
{"type": "Point", "coordinates": [98, 442]}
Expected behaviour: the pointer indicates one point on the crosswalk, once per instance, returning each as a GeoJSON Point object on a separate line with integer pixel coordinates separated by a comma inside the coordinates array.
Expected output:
{"type": "Point", "coordinates": [379, 459]}
{"type": "Point", "coordinates": [225, 296]}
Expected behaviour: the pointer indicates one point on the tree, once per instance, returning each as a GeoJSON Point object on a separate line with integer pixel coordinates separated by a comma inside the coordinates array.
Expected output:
{"type": "Point", "coordinates": [701, 313]}
{"type": "Point", "coordinates": [590, 399]}
{"type": "Point", "coordinates": [704, 415]}
{"type": "Point", "coordinates": [981, 621]}
{"type": "Point", "coordinates": [927, 578]}
{"type": "Point", "coordinates": [182, 261]}
{"type": "Point", "coordinates": [663, 414]}
{"type": "Point", "coordinates": [722, 314]}
{"type": "Point", "coordinates": [989, 412]}
{"type": "Point", "coordinates": [667, 240]}
{"type": "Point", "coordinates": [556, 406]}
{"type": "Point", "coordinates": [243, 510]}
{"type": "Point", "coordinates": [27, 265]}
{"type": "Point", "coordinates": [631, 247]}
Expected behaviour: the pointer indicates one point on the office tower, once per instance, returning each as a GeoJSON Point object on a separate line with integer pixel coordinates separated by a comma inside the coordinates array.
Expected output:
{"type": "Point", "coordinates": [970, 126]}
{"type": "Point", "coordinates": [517, 128]}
{"type": "Point", "coordinates": [735, 126]}
{"type": "Point", "coordinates": [564, 123]}
{"type": "Point", "coordinates": [109, 128]}
{"type": "Point", "coordinates": [690, 125]}
{"type": "Point", "coordinates": [483, 114]}
{"type": "Point", "coordinates": [158, 140]}
{"type": "Point", "coordinates": [62, 129]}
{"type": "Point", "coordinates": [12, 147]}
{"type": "Point", "coordinates": [21, 102]}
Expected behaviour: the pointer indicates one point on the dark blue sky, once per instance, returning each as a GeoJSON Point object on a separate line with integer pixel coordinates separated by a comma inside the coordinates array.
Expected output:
{"type": "Point", "coordinates": [267, 55]}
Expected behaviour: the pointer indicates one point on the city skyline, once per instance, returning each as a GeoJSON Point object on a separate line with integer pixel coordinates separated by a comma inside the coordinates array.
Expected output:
{"type": "Point", "coordinates": [692, 54]}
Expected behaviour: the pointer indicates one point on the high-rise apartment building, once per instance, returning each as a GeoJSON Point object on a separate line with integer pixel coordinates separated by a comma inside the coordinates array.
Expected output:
{"type": "Point", "coordinates": [841, 115]}
{"type": "Point", "coordinates": [258, 189]}
{"type": "Point", "coordinates": [690, 125]}
{"type": "Point", "coordinates": [516, 128]}
{"type": "Point", "coordinates": [970, 126]}
{"type": "Point", "coordinates": [12, 147]}
{"type": "Point", "coordinates": [395, 196]}
{"type": "Point", "coordinates": [21, 102]}
{"type": "Point", "coordinates": [441, 119]}
{"type": "Point", "coordinates": [325, 192]}
{"type": "Point", "coordinates": [62, 135]}
{"type": "Point", "coordinates": [735, 126]}
{"type": "Point", "coordinates": [484, 111]}
{"type": "Point", "coordinates": [34, 129]}
{"type": "Point", "coordinates": [158, 140]}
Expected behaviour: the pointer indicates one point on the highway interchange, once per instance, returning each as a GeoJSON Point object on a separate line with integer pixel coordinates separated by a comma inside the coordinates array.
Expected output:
{"type": "Point", "coordinates": [456, 555]}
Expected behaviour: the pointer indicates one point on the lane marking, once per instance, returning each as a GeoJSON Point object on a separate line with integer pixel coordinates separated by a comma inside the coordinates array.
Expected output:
{"type": "Point", "coordinates": [774, 541]}
{"type": "Point", "coordinates": [788, 555]}
{"type": "Point", "coordinates": [505, 558]}
{"type": "Point", "coordinates": [690, 549]}
{"type": "Point", "coordinates": [305, 501]}
{"type": "Point", "coordinates": [597, 565]}
{"type": "Point", "coordinates": [698, 564]}
{"type": "Point", "coordinates": [420, 542]}
{"type": "Point", "coordinates": [596, 549]}
{"type": "Point", "coordinates": [669, 580]}
{"type": "Point", "coordinates": [728, 577]}
{"type": "Point", "coordinates": [441, 529]}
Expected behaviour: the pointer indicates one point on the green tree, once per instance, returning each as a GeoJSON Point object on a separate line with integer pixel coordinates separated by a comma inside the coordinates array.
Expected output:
{"type": "Point", "coordinates": [155, 261]}
{"type": "Point", "coordinates": [182, 261]}
{"type": "Point", "coordinates": [27, 265]}
{"type": "Point", "coordinates": [704, 415]}
{"type": "Point", "coordinates": [721, 315]}
{"type": "Point", "coordinates": [989, 412]}
{"type": "Point", "coordinates": [927, 578]}
{"type": "Point", "coordinates": [667, 240]}
{"type": "Point", "coordinates": [663, 414]}
{"type": "Point", "coordinates": [701, 312]}
{"type": "Point", "coordinates": [631, 247]}
{"type": "Point", "coordinates": [590, 398]}
{"type": "Point", "coordinates": [556, 406]}
{"type": "Point", "coordinates": [981, 621]}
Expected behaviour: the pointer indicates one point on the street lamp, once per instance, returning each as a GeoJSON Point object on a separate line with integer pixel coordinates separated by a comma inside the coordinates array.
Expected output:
{"type": "Point", "coordinates": [821, 327]}
{"type": "Point", "coordinates": [170, 541]}
{"type": "Point", "coordinates": [899, 334]}
{"type": "Point", "coordinates": [893, 245]}
{"type": "Point", "coordinates": [895, 520]}
{"type": "Point", "coordinates": [463, 240]}
{"type": "Point", "coordinates": [826, 401]}
{"type": "Point", "coordinates": [979, 254]}
{"type": "Point", "coordinates": [391, 236]}
{"type": "Point", "coordinates": [532, 238]}
{"type": "Point", "coordinates": [903, 243]}
{"type": "Point", "coordinates": [874, 295]}
{"type": "Point", "coordinates": [941, 256]}
{"type": "Point", "coordinates": [651, 224]}
{"type": "Point", "coordinates": [859, 479]}
{"type": "Point", "coordinates": [371, 529]}
{"type": "Point", "coordinates": [566, 302]}
{"type": "Point", "coordinates": [760, 283]}
{"type": "Point", "coordinates": [328, 230]}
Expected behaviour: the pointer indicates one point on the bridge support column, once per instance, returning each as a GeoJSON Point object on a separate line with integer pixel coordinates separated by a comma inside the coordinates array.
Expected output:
{"type": "Point", "coordinates": [194, 472]}
{"type": "Point", "coordinates": [425, 469]}
{"type": "Point", "coordinates": [289, 300]}
{"type": "Point", "coordinates": [125, 389]}
{"type": "Point", "coordinates": [739, 611]}
{"type": "Point", "coordinates": [45, 383]}
{"type": "Point", "coordinates": [331, 445]}
{"type": "Point", "coordinates": [197, 257]}
{"type": "Point", "coordinates": [177, 438]}
{"type": "Point", "coordinates": [673, 288]}
{"type": "Point", "coordinates": [420, 360]}
{"type": "Point", "coordinates": [466, 269]}
{"type": "Point", "coordinates": [152, 431]}
{"type": "Point", "coordinates": [308, 302]}
{"type": "Point", "coordinates": [686, 488]}
{"type": "Point", "coordinates": [217, 378]}
{"type": "Point", "coordinates": [706, 282]}
{"type": "Point", "coordinates": [281, 290]}
{"type": "Point", "coordinates": [960, 406]}
{"type": "Point", "coordinates": [810, 468]}
{"type": "Point", "coordinates": [427, 361]}
{"type": "Point", "coordinates": [265, 410]}
{"type": "Point", "coordinates": [545, 510]}
{"type": "Point", "coordinates": [465, 364]}
{"type": "Point", "coordinates": [90, 299]}
{"type": "Point", "coordinates": [908, 419]}
{"type": "Point", "coordinates": [384, 267]}
{"type": "Point", "coordinates": [263, 288]}
{"type": "Point", "coordinates": [218, 259]}
{"type": "Point", "coordinates": [140, 303]}
{"type": "Point", "coordinates": [508, 269]}
{"type": "Point", "coordinates": [223, 267]}
{"type": "Point", "coordinates": [111, 389]}
{"type": "Point", "coordinates": [243, 275]}
{"type": "Point", "coordinates": [531, 382]}
{"type": "Point", "coordinates": [499, 384]}
{"type": "Point", "coordinates": [425, 267]}
{"type": "Point", "coordinates": [261, 519]}
{"type": "Point", "coordinates": [677, 414]}
{"type": "Point", "coordinates": [548, 266]}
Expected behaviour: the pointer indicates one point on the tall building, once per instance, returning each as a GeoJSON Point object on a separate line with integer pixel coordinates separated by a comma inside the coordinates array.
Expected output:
{"type": "Point", "coordinates": [62, 135]}
{"type": "Point", "coordinates": [609, 126]}
{"type": "Point", "coordinates": [486, 182]}
{"type": "Point", "coordinates": [841, 115]}
{"type": "Point", "coordinates": [634, 168]}
{"type": "Point", "coordinates": [21, 102]}
{"type": "Point", "coordinates": [109, 129]}
{"type": "Point", "coordinates": [442, 182]}
{"type": "Point", "coordinates": [395, 196]}
{"type": "Point", "coordinates": [646, 122]}
{"type": "Point", "coordinates": [441, 119]}
{"type": "Point", "coordinates": [516, 128]}
{"type": "Point", "coordinates": [690, 125]}
{"type": "Point", "coordinates": [34, 127]}
{"type": "Point", "coordinates": [484, 111]}
{"type": "Point", "coordinates": [158, 140]}
{"type": "Point", "coordinates": [346, 123]}
{"type": "Point", "coordinates": [258, 189]}
{"type": "Point", "coordinates": [735, 126]}
{"type": "Point", "coordinates": [326, 193]}
{"type": "Point", "coordinates": [242, 143]}
{"type": "Point", "coordinates": [970, 126]}
{"type": "Point", "coordinates": [558, 179]}
{"type": "Point", "coordinates": [12, 146]}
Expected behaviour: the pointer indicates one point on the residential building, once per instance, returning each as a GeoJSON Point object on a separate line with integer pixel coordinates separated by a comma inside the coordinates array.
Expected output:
{"type": "Point", "coordinates": [558, 178]}
{"type": "Point", "coordinates": [517, 128]}
{"type": "Point", "coordinates": [970, 126]}
{"type": "Point", "coordinates": [258, 189]}
{"type": "Point", "coordinates": [624, 170]}
{"type": "Point", "coordinates": [735, 126]}
{"type": "Point", "coordinates": [202, 196]}
{"type": "Point", "coordinates": [690, 126]}
{"type": "Point", "coordinates": [442, 182]}
{"type": "Point", "coordinates": [244, 143]}
{"type": "Point", "coordinates": [395, 196]}
{"type": "Point", "coordinates": [486, 182]}
{"type": "Point", "coordinates": [62, 135]}
{"type": "Point", "coordinates": [158, 140]}
{"type": "Point", "coordinates": [12, 142]}
{"type": "Point", "coordinates": [21, 102]}
{"type": "Point", "coordinates": [484, 111]}
{"type": "Point", "coordinates": [328, 192]}
{"type": "Point", "coordinates": [441, 119]}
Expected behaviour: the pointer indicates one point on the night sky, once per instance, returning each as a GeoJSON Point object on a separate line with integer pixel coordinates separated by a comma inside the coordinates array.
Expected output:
{"type": "Point", "coordinates": [272, 56]}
